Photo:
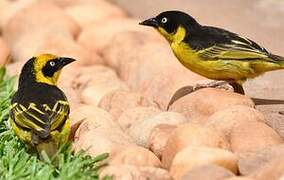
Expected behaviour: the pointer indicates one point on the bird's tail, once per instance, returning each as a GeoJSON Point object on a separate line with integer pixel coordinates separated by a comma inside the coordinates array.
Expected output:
{"type": "Point", "coordinates": [47, 150]}
{"type": "Point", "coordinates": [279, 60]}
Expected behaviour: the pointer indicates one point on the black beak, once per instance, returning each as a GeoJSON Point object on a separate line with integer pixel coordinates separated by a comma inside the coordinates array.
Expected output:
{"type": "Point", "coordinates": [65, 60]}
{"type": "Point", "coordinates": [150, 22]}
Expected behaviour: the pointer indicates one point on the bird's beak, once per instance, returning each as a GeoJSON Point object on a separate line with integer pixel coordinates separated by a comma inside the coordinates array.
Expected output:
{"type": "Point", "coordinates": [65, 60]}
{"type": "Point", "coordinates": [150, 22]}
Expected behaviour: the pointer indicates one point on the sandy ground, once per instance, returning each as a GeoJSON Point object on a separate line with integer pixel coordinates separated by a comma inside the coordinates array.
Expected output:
{"type": "Point", "coordinates": [260, 20]}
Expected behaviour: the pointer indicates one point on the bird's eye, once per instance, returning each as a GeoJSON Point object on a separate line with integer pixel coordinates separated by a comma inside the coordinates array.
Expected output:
{"type": "Point", "coordinates": [164, 20]}
{"type": "Point", "coordinates": [52, 63]}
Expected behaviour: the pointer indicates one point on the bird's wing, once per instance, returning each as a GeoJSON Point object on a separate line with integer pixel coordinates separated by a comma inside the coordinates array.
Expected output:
{"type": "Point", "coordinates": [235, 50]}
{"type": "Point", "coordinates": [215, 43]}
{"type": "Point", "coordinates": [58, 114]}
{"type": "Point", "coordinates": [41, 120]}
{"type": "Point", "coordinates": [30, 118]}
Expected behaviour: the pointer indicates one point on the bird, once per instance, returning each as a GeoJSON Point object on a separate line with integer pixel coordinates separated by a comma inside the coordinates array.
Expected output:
{"type": "Point", "coordinates": [213, 52]}
{"type": "Point", "coordinates": [39, 112]}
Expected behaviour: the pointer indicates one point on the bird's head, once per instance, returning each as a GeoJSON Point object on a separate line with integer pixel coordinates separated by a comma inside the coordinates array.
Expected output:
{"type": "Point", "coordinates": [172, 24]}
{"type": "Point", "coordinates": [44, 68]}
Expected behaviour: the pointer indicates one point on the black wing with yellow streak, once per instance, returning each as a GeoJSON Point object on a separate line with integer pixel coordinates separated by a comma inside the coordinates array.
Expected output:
{"type": "Point", "coordinates": [40, 119]}
{"type": "Point", "coordinates": [39, 110]}
{"type": "Point", "coordinates": [31, 119]}
{"type": "Point", "coordinates": [218, 44]}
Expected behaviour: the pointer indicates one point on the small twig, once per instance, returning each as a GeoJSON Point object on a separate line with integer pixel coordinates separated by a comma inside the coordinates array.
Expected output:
{"type": "Point", "coordinates": [179, 94]}
{"type": "Point", "coordinates": [259, 101]}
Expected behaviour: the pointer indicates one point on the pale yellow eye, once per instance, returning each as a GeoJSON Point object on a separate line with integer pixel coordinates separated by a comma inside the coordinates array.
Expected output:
{"type": "Point", "coordinates": [164, 20]}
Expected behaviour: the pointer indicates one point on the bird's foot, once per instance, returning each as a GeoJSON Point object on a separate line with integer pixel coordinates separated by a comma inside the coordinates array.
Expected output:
{"type": "Point", "coordinates": [213, 84]}
{"type": "Point", "coordinates": [35, 139]}
{"type": "Point", "coordinates": [238, 88]}
{"type": "Point", "coordinates": [189, 89]}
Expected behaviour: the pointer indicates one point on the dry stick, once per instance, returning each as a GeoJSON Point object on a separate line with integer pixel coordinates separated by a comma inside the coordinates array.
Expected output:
{"type": "Point", "coordinates": [259, 101]}
{"type": "Point", "coordinates": [179, 94]}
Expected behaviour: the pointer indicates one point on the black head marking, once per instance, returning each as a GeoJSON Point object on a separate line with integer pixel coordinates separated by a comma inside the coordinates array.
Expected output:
{"type": "Point", "coordinates": [54, 65]}
{"type": "Point", "coordinates": [27, 73]}
{"type": "Point", "coordinates": [51, 67]}
{"type": "Point", "coordinates": [171, 20]}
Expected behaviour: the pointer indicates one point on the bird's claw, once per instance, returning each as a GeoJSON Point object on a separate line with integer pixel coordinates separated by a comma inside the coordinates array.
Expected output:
{"type": "Point", "coordinates": [213, 84]}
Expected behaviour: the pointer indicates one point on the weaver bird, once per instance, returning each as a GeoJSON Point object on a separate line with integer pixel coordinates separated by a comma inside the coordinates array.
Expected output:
{"type": "Point", "coordinates": [212, 52]}
{"type": "Point", "coordinates": [39, 112]}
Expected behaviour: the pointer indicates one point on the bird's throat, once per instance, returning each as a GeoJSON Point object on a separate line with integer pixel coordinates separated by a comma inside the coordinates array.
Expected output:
{"type": "Point", "coordinates": [175, 37]}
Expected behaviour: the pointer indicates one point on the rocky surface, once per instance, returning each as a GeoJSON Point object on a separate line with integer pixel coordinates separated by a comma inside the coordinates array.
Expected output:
{"type": "Point", "coordinates": [124, 78]}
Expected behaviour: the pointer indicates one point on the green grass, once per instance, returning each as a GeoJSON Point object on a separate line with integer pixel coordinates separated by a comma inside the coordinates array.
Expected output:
{"type": "Point", "coordinates": [17, 163]}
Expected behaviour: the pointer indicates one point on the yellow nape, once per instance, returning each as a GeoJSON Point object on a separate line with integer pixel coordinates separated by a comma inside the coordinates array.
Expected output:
{"type": "Point", "coordinates": [39, 63]}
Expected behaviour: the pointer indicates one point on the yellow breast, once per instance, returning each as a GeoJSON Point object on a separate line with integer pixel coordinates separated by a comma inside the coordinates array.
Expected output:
{"type": "Point", "coordinates": [212, 69]}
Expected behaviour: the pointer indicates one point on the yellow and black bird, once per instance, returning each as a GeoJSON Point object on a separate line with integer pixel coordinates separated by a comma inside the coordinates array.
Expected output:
{"type": "Point", "coordinates": [39, 112]}
{"type": "Point", "coordinates": [213, 52]}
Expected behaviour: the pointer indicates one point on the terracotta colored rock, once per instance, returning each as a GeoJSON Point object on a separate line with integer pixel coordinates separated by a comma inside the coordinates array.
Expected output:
{"type": "Point", "coordinates": [162, 85]}
{"type": "Point", "coordinates": [95, 74]}
{"type": "Point", "coordinates": [105, 29]}
{"type": "Point", "coordinates": [141, 130]}
{"type": "Point", "coordinates": [195, 106]}
{"type": "Point", "coordinates": [192, 157]}
{"type": "Point", "coordinates": [127, 172]}
{"type": "Point", "coordinates": [15, 68]}
{"type": "Point", "coordinates": [155, 173]}
{"type": "Point", "coordinates": [9, 8]}
{"type": "Point", "coordinates": [207, 172]}
{"type": "Point", "coordinates": [225, 120]}
{"type": "Point", "coordinates": [67, 3]}
{"type": "Point", "coordinates": [191, 135]}
{"type": "Point", "coordinates": [136, 156]}
{"type": "Point", "coordinates": [23, 51]}
{"type": "Point", "coordinates": [134, 115]}
{"type": "Point", "coordinates": [69, 48]}
{"type": "Point", "coordinates": [96, 115]}
{"type": "Point", "coordinates": [28, 21]}
{"type": "Point", "coordinates": [273, 118]}
{"type": "Point", "coordinates": [95, 92]}
{"type": "Point", "coordinates": [240, 178]}
{"type": "Point", "coordinates": [28, 27]}
{"type": "Point", "coordinates": [96, 139]}
{"type": "Point", "coordinates": [272, 171]}
{"type": "Point", "coordinates": [117, 102]}
{"type": "Point", "coordinates": [96, 82]}
{"type": "Point", "coordinates": [96, 143]}
{"type": "Point", "coordinates": [250, 162]}
{"type": "Point", "coordinates": [151, 55]}
{"type": "Point", "coordinates": [93, 13]}
{"type": "Point", "coordinates": [249, 136]}
{"type": "Point", "coordinates": [119, 51]}
{"type": "Point", "coordinates": [159, 137]}
{"type": "Point", "coordinates": [4, 53]}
